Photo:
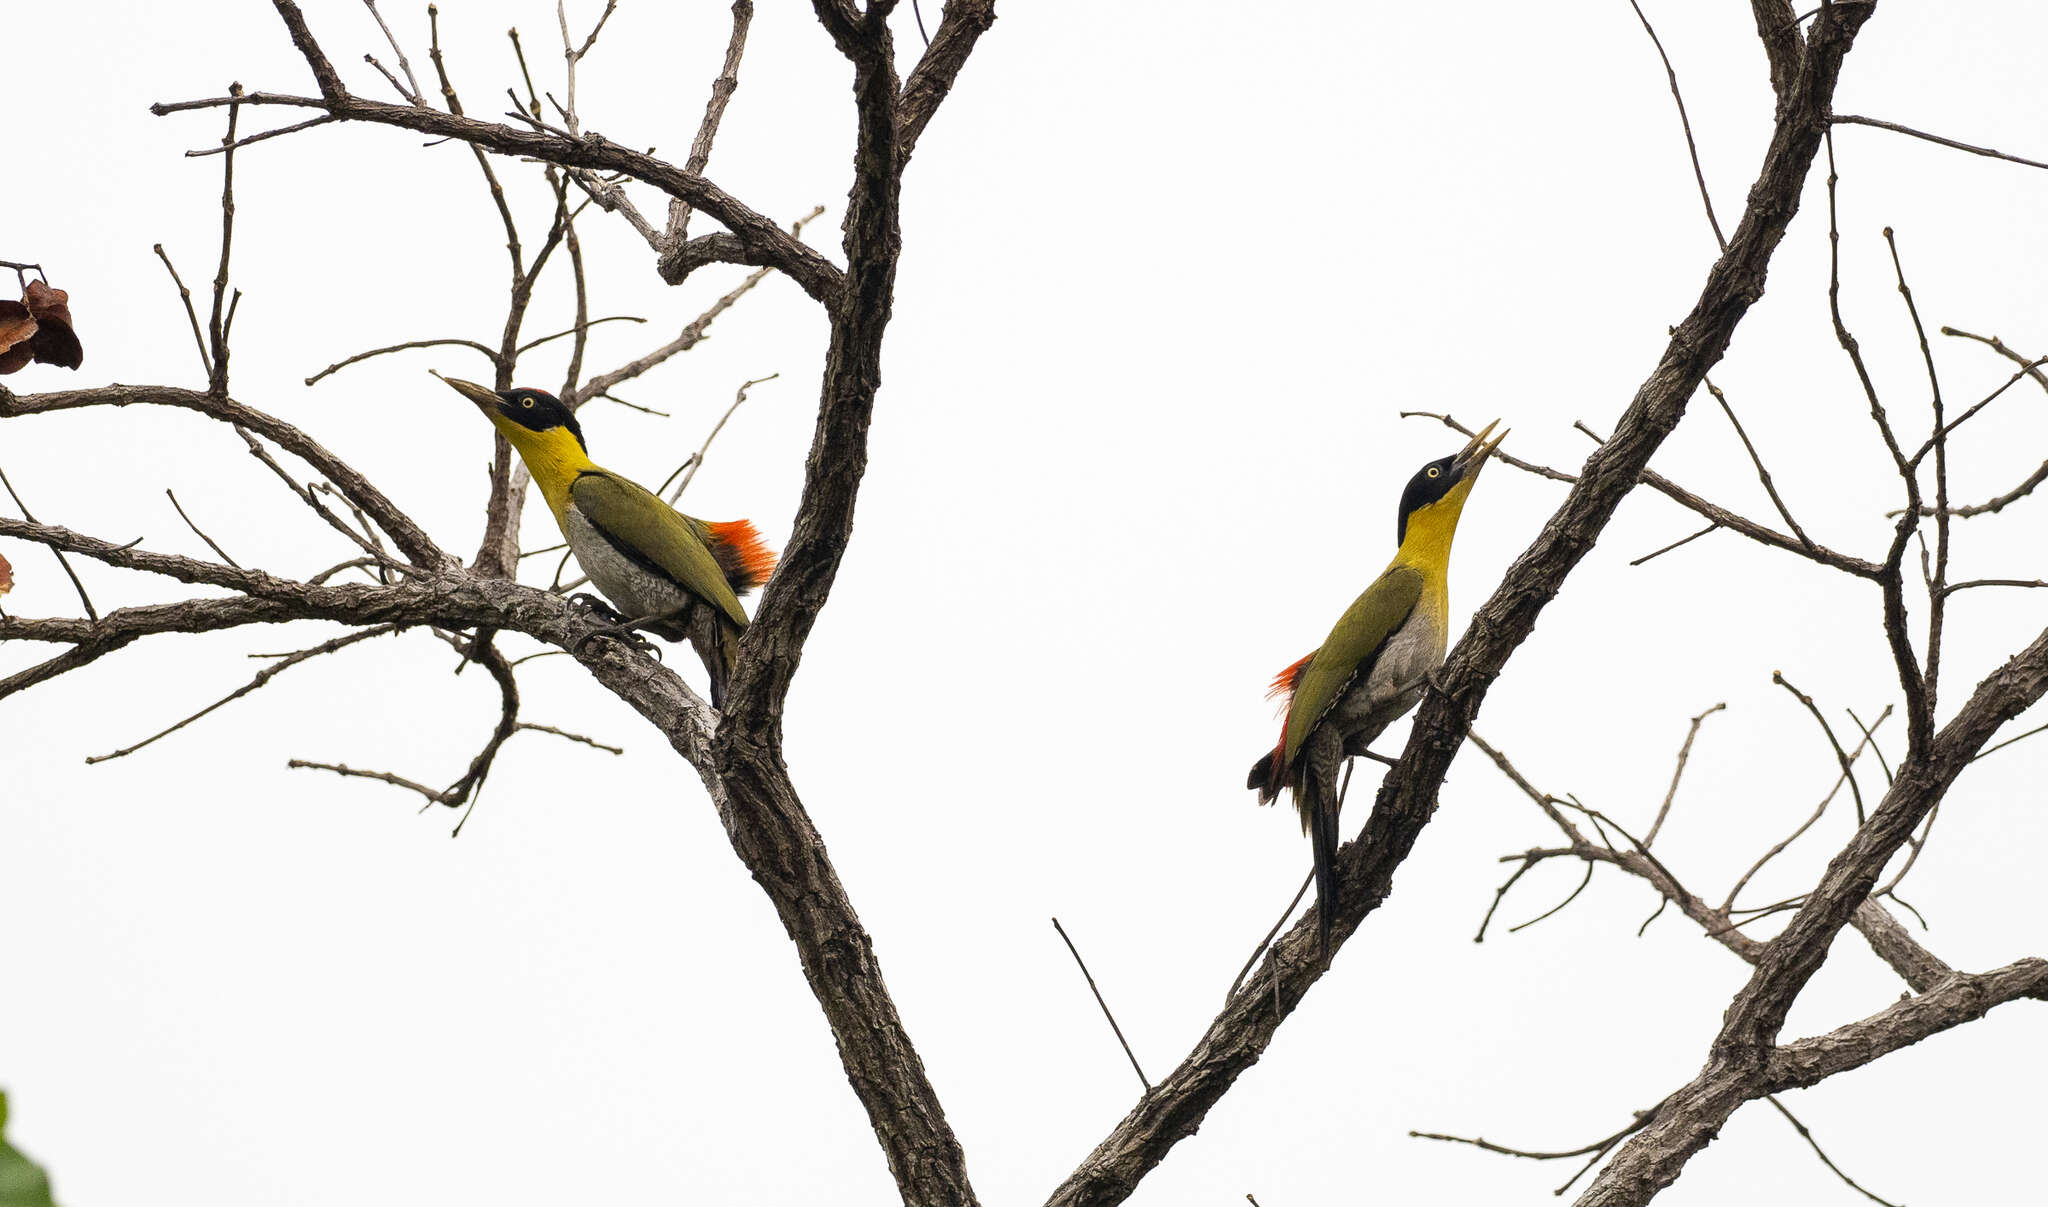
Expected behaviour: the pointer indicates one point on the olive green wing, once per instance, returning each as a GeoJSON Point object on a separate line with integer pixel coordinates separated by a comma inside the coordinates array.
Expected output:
{"type": "Point", "coordinates": [1350, 649]}
{"type": "Point", "coordinates": [634, 518]}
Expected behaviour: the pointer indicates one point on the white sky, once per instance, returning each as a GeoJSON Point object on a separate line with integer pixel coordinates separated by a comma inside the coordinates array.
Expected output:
{"type": "Point", "coordinates": [1169, 273]}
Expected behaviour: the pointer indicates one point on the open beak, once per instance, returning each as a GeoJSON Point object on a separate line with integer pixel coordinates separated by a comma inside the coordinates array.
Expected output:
{"type": "Point", "coordinates": [1472, 458]}
{"type": "Point", "coordinates": [484, 397]}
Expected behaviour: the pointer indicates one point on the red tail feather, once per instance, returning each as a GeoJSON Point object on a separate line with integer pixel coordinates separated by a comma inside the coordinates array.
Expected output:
{"type": "Point", "coordinates": [1286, 681]}
{"type": "Point", "coordinates": [1269, 776]}
{"type": "Point", "coordinates": [742, 554]}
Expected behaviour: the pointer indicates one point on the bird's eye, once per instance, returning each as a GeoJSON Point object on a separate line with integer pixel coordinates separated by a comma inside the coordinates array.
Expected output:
{"type": "Point", "coordinates": [1432, 469]}
{"type": "Point", "coordinates": [528, 404]}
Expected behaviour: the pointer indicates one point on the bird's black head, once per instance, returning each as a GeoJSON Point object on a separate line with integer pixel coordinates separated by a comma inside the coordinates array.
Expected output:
{"type": "Point", "coordinates": [535, 410]}
{"type": "Point", "coordinates": [1447, 480]}
{"type": "Point", "coordinates": [1429, 484]}
{"type": "Point", "coordinates": [538, 410]}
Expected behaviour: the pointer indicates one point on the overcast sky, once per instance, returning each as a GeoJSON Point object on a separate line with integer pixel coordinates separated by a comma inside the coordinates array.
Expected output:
{"type": "Point", "coordinates": [1170, 271]}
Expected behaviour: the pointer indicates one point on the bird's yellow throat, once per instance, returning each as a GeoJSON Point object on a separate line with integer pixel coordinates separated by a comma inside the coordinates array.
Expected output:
{"type": "Point", "coordinates": [1427, 545]}
{"type": "Point", "coordinates": [554, 458]}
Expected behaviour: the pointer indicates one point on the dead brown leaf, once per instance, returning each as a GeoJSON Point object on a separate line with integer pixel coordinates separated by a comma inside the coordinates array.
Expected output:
{"type": "Point", "coordinates": [55, 342]}
{"type": "Point", "coordinates": [17, 333]}
{"type": "Point", "coordinates": [6, 577]}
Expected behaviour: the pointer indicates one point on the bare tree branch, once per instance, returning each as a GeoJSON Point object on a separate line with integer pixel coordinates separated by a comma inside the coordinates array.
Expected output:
{"type": "Point", "coordinates": [722, 88]}
{"type": "Point", "coordinates": [1850, 119]}
{"type": "Point", "coordinates": [415, 543]}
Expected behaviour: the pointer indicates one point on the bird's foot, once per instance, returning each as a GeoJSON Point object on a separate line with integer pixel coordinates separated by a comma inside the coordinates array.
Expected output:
{"type": "Point", "coordinates": [1378, 758]}
{"type": "Point", "coordinates": [623, 634]}
{"type": "Point", "coordinates": [591, 605]}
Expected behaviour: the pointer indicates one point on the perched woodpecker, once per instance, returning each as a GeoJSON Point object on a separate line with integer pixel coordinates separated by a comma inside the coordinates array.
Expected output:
{"type": "Point", "coordinates": [1374, 665]}
{"type": "Point", "coordinates": [670, 574]}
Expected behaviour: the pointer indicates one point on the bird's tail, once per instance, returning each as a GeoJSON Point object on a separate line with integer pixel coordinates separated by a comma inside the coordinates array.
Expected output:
{"type": "Point", "coordinates": [1319, 817]}
{"type": "Point", "coordinates": [717, 642]}
{"type": "Point", "coordinates": [1268, 775]}
{"type": "Point", "coordinates": [726, 657]}
{"type": "Point", "coordinates": [743, 557]}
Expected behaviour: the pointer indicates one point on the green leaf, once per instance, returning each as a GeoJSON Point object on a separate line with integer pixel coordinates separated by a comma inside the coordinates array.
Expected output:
{"type": "Point", "coordinates": [22, 1182]}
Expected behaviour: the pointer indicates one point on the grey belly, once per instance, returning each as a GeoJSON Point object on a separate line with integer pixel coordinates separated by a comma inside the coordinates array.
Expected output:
{"type": "Point", "coordinates": [631, 589]}
{"type": "Point", "coordinates": [1394, 685]}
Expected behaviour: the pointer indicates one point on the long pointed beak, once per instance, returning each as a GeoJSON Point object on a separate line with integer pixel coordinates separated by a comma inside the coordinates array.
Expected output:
{"type": "Point", "coordinates": [1472, 458]}
{"type": "Point", "coordinates": [484, 397]}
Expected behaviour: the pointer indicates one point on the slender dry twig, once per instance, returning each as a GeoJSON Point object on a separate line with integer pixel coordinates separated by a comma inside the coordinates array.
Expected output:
{"type": "Point", "coordinates": [1131, 1056]}
{"type": "Point", "coordinates": [1343, 790]}
{"type": "Point", "coordinates": [688, 469]}
{"type": "Point", "coordinates": [411, 89]}
{"type": "Point", "coordinates": [1679, 543]}
{"type": "Point", "coordinates": [307, 496]}
{"type": "Point", "coordinates": [1850, 119]}
{"type": "Point", "coordinates": [1594, 1151]}
{"type": "Point", "coordinates": [691, 335]}
{"type": "Point", "coordinates": [1841, 755]}
{"type": "Point", "coordinates": [1569, 898]}
{"type": "Point", "coordinates": [433, 795]}
{"type": "Point", "coordinates": [210, 543]}
{"type": "Point", "coordinates": [285, 663]}
{"type": "Point", "coordinates": [83, 598]}
{"type": "Point", "coordinates": [1870, 739]}
{"type": "Point", "coordinates": [1684, 752]}
{"type": "Point", "coordinates": [216, 327]}
{"type": "Point", "coordinates": [1919, 717]}
{"type": "Point", "coordinates": [563, 733]}
{"type": "Point", "coordinates": [1529, 860]}
{"type": "Point", "coordinates": [1763, 475]}
{"type": "Point", "coordinates": [1807, 1136]}
{"type": "Point", "coordinates": [185, 296]}
{"type": "Point", "coordinates": [2009, 741]}
{"type": "Point", "coordinates": [722, 88]}
{"type": "Point", "coordinates": [1691, 149]}
{"type": "Point", "coordinates": [1937, 601]}
{"type": "Point", "coordinates": [1777, 849]}
{"type": "Point", "coordinates": [339, 365]}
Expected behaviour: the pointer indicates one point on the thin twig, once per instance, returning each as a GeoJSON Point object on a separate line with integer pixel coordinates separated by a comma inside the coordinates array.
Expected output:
{"type": "Point", "coordinates": [1763, 475]}
{"type": "Point", "coordinates": [285, 662]}
{"type": "Point", "coordinates": [63, 561]}
{"type": "Point", "coordinates": [1145, 1081]}
{"type": "Point", "coordinates": [722, 88]}
{"type": "Point", "coordinates": [1529, 860]}
{"type": "Point", "coordinates": [1841, 755]}
{"type": "Point", "coordinates": [1681, 541]}
{"type": "Point", "coordinates": [216, 327]}
{"type": "Point", "coordinates": [689, 468]}
{"type": "Point", "coordinates": [411, 93]}
{"type": "Point", "coordinates": [531, 344]}
{"type": "Point", "coordinates": [210, 543]}
{"type": "Point", "coordinates": [339, 365]}
{"type": "Point", "coordinates": [185, 296]}
{"type": "Point", "coordinates": [1851, 119]}
{"type": "Point", "coordinates": [1684, 753]}
{"type": "Point", "coordinates": [238, 144]}
{"type": "Point", "coordinates": [691, 335]}
{"type": "Point", "coordinates": [1685, 122]}
{"type": "Point", "coordinates": [1807, 1136]}
{"type": "Point", "coordinates": [1779, 848]}
{"type": "Point", "coordinates": [563, 733]}
{"type": "Point", "coordinates": [1937, 601]}
{"type": "Point", "coordinates": [1266, 942]}
{"type": "Point", "coordinates": [1343, 790]}
{"type": "Point", "coordinates": [1593, 1152]}
{"type": "Point", "coordinates": [1583, 882]}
